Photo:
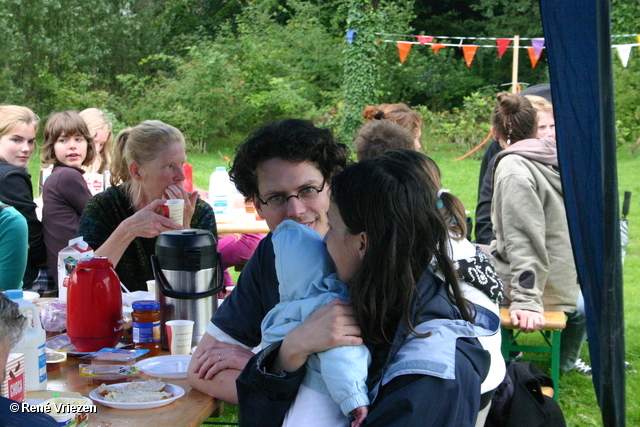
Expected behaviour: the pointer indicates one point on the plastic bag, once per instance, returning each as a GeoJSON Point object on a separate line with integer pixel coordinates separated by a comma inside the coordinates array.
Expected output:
{"type": "Point", "coordinates": [54, 316]}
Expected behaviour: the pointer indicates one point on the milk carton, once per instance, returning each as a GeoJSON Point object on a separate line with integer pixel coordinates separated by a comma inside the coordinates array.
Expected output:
{"type": "Point", "coordinates": [68, 261]}
{"type": "Point", "coordinates": [13, 386]}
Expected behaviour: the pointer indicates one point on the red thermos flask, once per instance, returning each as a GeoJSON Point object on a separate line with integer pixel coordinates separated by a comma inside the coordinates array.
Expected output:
{"type": "Point", "coordinates": [94, 305]}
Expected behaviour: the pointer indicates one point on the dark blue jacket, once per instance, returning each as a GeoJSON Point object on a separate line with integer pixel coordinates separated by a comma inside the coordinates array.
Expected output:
{"type": "Point", "coordinates": [419, 384]}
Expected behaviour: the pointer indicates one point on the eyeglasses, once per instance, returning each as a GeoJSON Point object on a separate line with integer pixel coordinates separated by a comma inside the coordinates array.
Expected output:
{"type": "Point", "coordinates": [305, 195]}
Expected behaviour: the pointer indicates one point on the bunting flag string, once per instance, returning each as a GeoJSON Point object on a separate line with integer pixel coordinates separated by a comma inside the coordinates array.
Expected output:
{"type": "Point", "coordinates": [486, 38]}
{"type": "Point", "coordinates": [502, 44]}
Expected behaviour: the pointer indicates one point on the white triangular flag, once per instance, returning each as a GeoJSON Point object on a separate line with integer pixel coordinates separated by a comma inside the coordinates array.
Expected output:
{"type": "Point", "coordinates": [624, 51]}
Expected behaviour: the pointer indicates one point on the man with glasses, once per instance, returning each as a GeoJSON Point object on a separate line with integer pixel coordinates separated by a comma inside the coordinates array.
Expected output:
{"type": "Point", "coordinates": [285, 168]}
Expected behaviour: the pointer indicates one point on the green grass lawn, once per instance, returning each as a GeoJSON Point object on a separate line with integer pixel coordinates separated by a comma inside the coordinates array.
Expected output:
{"type": "Point", "coordinates": [577, 397]}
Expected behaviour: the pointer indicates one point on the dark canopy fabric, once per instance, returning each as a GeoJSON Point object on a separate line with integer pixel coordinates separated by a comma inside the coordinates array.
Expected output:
{"type": "Point", "coordinates": [578, 41]}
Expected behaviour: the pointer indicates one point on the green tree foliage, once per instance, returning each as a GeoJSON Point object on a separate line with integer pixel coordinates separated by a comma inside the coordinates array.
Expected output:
{"type": "Point", "coordinates": [243, 77]}
{"type": "Point", "coordinates": [215, 68]}
{"type": "Point", "coordinates": [65, 54]}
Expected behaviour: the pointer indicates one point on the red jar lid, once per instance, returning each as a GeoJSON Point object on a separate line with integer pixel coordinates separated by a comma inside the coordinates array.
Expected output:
{"type": "Point", "coordinates": [95, 262]}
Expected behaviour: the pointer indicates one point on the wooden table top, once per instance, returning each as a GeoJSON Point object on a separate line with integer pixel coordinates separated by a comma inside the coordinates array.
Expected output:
{"type": "Point", "coordinates": [190, 410]}
{"type": "Point", "coordinates": [242, 227]}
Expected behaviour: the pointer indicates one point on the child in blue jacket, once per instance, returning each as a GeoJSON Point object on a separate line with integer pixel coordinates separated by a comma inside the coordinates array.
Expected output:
{"type": "Point", "coordinates": [334, 385]}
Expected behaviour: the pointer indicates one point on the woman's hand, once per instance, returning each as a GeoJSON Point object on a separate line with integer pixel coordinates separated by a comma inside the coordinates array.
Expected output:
{"type": "Point", "coordinates": [332, 325]}
{"type": "Point", "coordinates": [150, 221]}
{"type": "Point", "coordinates": [219, 356]}
{"type": "Point", "coordinates": [177, 191]}
{"type": "Point", "coordinates": [527, 320]}
{"type": "Point", "coordinates": [147, 222]}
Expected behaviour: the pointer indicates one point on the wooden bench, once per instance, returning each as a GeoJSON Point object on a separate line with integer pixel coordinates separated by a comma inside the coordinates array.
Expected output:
{"type": "Point", "coordinates": [555, 322]}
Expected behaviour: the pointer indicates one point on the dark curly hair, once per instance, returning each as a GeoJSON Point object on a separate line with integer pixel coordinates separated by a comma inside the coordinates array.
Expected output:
{"type": "Point", "coordinates": [294, 140]}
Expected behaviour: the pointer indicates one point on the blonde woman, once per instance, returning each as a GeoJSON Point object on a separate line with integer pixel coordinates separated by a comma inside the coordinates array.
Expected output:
{"type": "Point", "coordinates": [122, 221]}
{"type": "Point", "coordinates": [18, 127]}
{"type": "Point", "coordinates": [546, 121]}
{"type": "Point", "coordinates": [101, 130]}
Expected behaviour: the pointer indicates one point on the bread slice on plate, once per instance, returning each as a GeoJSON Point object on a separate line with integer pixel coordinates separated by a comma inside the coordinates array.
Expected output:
{"type": "Point", "coordinates": [136, 392]}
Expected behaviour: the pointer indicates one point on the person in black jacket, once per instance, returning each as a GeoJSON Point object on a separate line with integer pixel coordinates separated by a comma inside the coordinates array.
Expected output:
{"type": "Point", "coordinates": [18, 127]}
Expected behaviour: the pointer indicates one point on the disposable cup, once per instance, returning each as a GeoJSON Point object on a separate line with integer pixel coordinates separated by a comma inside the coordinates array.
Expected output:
{"type": "Point", "coordinates": [151, 286]}
{"type": "Point", "coordinates": [174, 209]}
{"type": "Point", "coordinates": [179, 333]}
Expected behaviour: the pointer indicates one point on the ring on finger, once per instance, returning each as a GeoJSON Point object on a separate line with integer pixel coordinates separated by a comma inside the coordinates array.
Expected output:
{"type": "Point", "coordinates": [219, 358]}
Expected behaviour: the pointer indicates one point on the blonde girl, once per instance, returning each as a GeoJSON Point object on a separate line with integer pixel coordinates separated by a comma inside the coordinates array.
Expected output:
{"type": "Point", "coordinates": [101, 130]}
{"type": "Point", "coordinates": [18, 128]}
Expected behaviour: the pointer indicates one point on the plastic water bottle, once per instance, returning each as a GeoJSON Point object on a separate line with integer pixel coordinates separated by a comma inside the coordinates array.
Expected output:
{"type": "Point", "coordinates": [32, 343]}
{"type": "Point", "coordinates": [106, 180]}
{"type": "Point", "coordinates": [220, 193]}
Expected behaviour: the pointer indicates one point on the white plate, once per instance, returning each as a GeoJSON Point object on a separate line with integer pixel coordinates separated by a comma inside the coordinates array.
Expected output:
{"type": "Point", "coordinates": [62, 342]}
{"type": "Point", "coordinates": [166, 366]}
{"type": "Point", "coordinates": [176, 390]}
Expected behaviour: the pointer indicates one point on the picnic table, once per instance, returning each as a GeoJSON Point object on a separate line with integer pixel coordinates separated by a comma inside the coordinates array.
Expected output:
{"type": "Point", "coordinates": [192, 409]}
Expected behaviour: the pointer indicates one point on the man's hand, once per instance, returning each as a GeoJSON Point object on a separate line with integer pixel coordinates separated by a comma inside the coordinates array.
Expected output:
{"type": "Point", "coordinates": [211, 358]}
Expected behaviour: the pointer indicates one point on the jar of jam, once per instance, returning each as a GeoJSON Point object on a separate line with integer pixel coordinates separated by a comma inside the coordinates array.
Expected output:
{"type": "Point", "coordinates": [146, 326]}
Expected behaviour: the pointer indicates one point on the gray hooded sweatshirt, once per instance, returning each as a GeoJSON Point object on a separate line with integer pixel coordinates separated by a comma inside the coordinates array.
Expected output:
{"type": "Point", "coordinates": [532, 251]}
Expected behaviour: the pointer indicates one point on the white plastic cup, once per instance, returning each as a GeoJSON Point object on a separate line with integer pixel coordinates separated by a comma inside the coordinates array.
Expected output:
{"type": "Point", "coordinates": [179, 334]}
{"type": "Point", "coordinates": [151, 286]}
{"type": "Point", "coordinates": [174, 210]}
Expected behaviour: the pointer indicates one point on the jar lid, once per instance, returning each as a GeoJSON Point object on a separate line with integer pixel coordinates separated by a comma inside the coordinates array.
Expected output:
{"type": "Point", "coordinates": [145, 305]}
{"type": "Point", "coordinates": [14, 294]}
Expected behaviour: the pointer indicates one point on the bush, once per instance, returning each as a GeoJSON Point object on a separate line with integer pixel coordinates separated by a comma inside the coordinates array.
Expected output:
{"type": "Point", "coordinates": [462, 128]}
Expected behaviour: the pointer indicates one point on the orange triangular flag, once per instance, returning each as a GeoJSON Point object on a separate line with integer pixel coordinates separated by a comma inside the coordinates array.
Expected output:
{"type": "Point", "coordinates": [436, 47]}
{"type": "Point", "coordinates": [469, 52]}
{"type": "Point", "coordinates": [502, 46]}
{"type": "Point", "coordinates": [532, 56]}
{"type": "Point", "coordinates": [425, 39]}
{"type": "Point", "coordinates": [403, 49]}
